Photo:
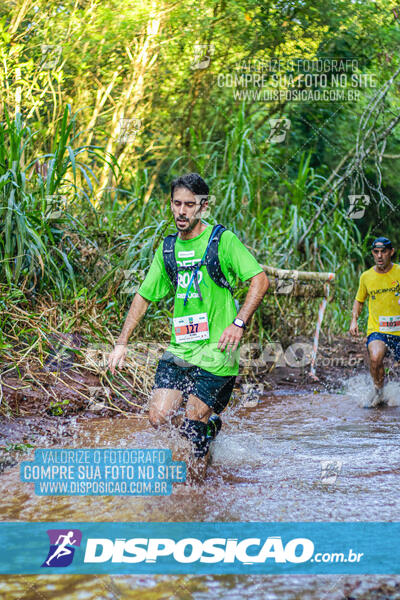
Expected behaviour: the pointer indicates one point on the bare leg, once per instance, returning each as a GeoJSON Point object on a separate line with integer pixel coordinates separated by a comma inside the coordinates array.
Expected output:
{"type": "Point", "coordinates": [377, 351]}
{"type": "Point", "coordinates": [163, 405]}
{"type": "Point", "coordinates": [197, 410]}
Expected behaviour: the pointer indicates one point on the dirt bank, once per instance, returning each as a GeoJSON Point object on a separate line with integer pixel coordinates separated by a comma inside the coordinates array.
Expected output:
{"type": "Point", "coordinates": [37, 410]}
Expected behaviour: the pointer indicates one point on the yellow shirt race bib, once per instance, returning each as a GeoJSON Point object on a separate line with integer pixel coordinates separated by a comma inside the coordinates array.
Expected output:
{"type": "Point", "coordinates": [389, 324]}
{"type": "Point", "coordinates": [383, 292]}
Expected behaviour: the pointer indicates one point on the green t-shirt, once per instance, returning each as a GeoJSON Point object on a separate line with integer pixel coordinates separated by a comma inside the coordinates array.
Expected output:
{"type": "Point", "coordinates": [217, 302]}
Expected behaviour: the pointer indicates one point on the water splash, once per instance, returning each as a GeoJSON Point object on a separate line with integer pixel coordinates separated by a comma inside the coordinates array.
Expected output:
{"type": "Point", "coordinates": [359, 387]}
{"type": "Point", "coordinates": [237, 449]}
{"type": "Point", "coordinates": [391, 393]}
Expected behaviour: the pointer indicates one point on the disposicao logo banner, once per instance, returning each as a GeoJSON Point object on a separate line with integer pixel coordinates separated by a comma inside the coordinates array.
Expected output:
{"type": "Point", "coordinates": [61, 551]}
{"type": "Point", "coordinates": [212, 548]}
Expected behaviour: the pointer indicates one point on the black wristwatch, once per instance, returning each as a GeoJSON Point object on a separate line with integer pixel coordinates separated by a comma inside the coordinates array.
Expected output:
{"type": "Point", "coordinates": [239, 323]}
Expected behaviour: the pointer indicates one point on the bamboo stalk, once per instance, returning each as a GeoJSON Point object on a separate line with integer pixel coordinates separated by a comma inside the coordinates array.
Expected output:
{"type": "Point", "coordinates": [299, 275]}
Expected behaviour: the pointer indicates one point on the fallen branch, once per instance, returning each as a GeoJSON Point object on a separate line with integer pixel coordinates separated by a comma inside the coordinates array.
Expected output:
{"type": "Point", "coordinates": [298, 275]}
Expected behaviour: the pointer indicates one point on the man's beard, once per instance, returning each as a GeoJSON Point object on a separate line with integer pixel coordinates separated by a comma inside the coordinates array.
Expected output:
{"type": "Point", "coordinates": [191, 225]}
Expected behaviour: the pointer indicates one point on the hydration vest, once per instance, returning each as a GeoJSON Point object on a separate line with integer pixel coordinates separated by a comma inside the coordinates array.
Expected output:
{"type": "Point", "coordinates": [210, 260]}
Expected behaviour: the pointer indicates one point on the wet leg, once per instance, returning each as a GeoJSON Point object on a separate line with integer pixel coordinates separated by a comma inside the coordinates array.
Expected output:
{"type": "Point", "coordinates": [194, 428]}
{"type": "Point", "coordinates": [376, 351]}
{"type": "Point", "coordinates": [164, 404]}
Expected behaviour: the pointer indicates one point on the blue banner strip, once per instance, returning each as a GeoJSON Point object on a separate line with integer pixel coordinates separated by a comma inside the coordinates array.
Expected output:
{"type": "Point", "coordinates": [199, 548]}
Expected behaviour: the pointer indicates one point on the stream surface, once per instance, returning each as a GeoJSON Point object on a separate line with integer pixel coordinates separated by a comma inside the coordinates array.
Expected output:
{"type": "Point", "coordinates": [268, 464]}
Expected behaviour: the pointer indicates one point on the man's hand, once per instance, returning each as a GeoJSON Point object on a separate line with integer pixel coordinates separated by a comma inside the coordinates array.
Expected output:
{"type": "Point", "coordinates": [117, 357]}
{"type": "Point", "coordinates": [138, 308]}
{"type": "Point", "coordinates": [354, 327]}
{"type": "Point", "coordinates": [357, 308]}
{"type": "Point", "coordinates": [230, 338]}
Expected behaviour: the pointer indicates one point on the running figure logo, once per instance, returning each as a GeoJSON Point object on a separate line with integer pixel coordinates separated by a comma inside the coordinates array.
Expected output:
{"type": "Point", "coordinates": [60, 552]}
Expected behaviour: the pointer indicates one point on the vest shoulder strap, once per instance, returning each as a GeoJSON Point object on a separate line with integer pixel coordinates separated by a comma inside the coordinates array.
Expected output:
{"type": "Point", "coordinates": [211, 260]}
{"type": "Point", "coordinates": [169, 258]}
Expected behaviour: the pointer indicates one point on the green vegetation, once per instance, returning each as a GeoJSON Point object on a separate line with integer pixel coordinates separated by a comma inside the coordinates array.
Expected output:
{"type": "Point", "coordinates": [23, 447]}
{"type": "Point", "coordinates": [83, 207]}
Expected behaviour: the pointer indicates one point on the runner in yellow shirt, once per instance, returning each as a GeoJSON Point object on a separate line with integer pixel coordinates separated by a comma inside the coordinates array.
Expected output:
{"type": "Point", "coordinates": [381, 284]}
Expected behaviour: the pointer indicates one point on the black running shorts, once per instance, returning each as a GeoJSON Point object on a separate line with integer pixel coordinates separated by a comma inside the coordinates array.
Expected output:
{"type": "Point", "coordinates": [213, 390]}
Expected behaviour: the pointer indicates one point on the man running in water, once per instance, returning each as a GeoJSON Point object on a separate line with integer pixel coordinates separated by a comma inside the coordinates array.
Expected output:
{"type": "Point", "coordinates": [202, 360]}
{"type": "Point", "coordinates": [381, 284]}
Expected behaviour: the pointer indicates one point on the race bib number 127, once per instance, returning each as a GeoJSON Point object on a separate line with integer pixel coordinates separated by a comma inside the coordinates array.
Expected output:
{"type": "Point", "coordinates": [191, 328]}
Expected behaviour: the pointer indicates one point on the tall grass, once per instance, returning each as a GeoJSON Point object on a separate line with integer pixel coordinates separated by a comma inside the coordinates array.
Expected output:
{"type": "Point", "coordinates": [271, 211]}
{"type": "Point", "coordinates": [37, 195]}
{"type": "Point", "coordinates": [101, 250]}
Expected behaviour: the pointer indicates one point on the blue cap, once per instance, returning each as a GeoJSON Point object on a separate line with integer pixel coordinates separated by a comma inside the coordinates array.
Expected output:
{"type": "Point", "coordinates": [385, 242]}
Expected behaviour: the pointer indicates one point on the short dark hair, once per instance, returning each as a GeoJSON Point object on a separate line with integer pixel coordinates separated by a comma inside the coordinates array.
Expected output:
{"type": "Point", "coordinates": [192, 182]}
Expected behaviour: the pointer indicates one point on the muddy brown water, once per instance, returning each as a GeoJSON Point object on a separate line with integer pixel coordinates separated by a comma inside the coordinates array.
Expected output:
{"type": "Point", "coordinates": [267, 465]}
